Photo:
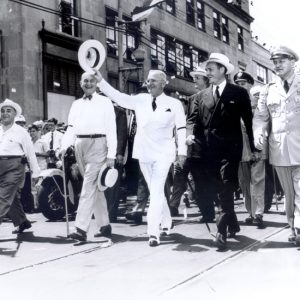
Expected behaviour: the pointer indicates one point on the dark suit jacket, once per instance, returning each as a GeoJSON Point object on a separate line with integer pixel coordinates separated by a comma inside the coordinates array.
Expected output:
{"type": "Point", "coordinates": [121, 121]}
{"type": "Point", "coordinates": [217, 128]}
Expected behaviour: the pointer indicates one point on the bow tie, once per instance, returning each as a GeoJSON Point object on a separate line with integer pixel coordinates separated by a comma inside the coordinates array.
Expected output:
{"type": "Point", "coordinates": [89, 97]}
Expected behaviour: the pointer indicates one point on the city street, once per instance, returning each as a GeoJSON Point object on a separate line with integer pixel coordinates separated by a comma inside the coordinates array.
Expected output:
{"type": "Point", "coordinates": [43, 264]}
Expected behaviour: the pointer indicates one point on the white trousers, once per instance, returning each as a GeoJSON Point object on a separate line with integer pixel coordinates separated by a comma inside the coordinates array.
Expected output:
{"type": "Point", "coordinates": [155, 174]}
{"type": "Point", "coordinates": [91, 155]}
{"type": "Point", "coordinates": [289, 178]}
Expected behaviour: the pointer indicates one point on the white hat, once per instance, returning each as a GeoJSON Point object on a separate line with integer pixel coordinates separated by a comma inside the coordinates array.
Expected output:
{"type": "Point", "coordinates": [199, 71]}
{"type": "Point", "coordinates": [91, 55]}
{"type": "Point", "coordinates": [16, 106]}
{"type": "Point", "coordinates": [20, 118]}
{"type": "Point", "coordinates": [222, 60]}
{"type": "Point", "coordinates": [107, 177]}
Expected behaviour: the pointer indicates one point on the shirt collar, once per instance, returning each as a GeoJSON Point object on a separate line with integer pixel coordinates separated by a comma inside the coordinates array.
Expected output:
{"type": "Point", "coordinates": [290, 79]}
{"type": "Point", "coordinates": [221, 87]}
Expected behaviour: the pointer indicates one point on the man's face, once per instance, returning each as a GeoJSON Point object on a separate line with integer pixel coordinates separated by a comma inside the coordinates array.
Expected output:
{"type": "Point", "coordinates": [245, 84]}
{"type": "Point", "coordinates": [155, 86]}
{"type": "Point", "coordinates": [8, 115]}
{"type": "Point", "coordinates": [33, 133]}
{"type": "Point", "coordinates": [88, 84]}
{"type": "Point", "coordinates": [200, 82]}
{"type": "Point", "coordinates": [283, 67]}
{"type": "Point", "coordinates": [215, 73]}
{"type": "Point", "coordinates": [51, 126]}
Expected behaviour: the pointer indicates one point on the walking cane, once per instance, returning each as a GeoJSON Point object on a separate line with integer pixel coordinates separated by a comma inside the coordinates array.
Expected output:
{"type": "Point", "coordinates": [275, 188]}
{"type": "Point", "coordinates": [65, 192]}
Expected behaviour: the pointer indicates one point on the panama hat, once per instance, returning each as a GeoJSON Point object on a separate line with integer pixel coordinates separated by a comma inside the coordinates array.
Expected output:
{"type": "Point", "coordinates": [107, 177]}
{"type": "Point", "coordinates": [222, 60]}
{"type": "Point", "coordinates": [14, 105]}
{"type": "Point", "coordinates": [199, 71]}
{"type": "Point", "coordinates": [91, 55]}
{"type": "Point", "coordinates": [283, 51]}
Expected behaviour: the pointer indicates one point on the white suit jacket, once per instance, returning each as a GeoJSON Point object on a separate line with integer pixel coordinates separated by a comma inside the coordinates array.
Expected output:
{"type": "Point", "coordinates": [280, 111]}
{"type": "Point", "coordinates": [154, 139]}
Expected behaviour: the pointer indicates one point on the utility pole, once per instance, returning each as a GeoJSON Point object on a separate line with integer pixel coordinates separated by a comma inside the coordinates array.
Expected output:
{"type": "Point", "coordinates": [120, 46]}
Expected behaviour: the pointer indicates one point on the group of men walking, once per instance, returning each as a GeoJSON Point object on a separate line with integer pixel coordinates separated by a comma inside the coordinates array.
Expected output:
{"type": "Point", "coordinates": [223, 141]}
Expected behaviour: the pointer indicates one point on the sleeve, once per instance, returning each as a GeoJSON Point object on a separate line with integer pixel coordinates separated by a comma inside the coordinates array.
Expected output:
{"type": "Point", "coordinates": [121, 99]}
{"type": "Point", "coordinates": [122, 131]}
{"type": "Point", "coordinates": [261, 117]}
{"type": "Point", "coordinates": [69, 136]}
{"type": "Point", "coordinates": [246, 115]}
{"type": "Point", "coordinates": [110, 129]}
{"type": "Point", "coordinates": [192, 115]}
{"type": "Point", "coordinates": [180, 123]}
{"type": "Point", "coordinates": [30, 154]}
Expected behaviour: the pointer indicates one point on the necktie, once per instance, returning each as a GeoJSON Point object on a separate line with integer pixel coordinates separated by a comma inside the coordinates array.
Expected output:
{"type": "Point", "coordinates": [286, 86]}
{"type": "Point", "coordinates": [51, 141]}
{"type": "Point", "coordinates": [89, 97]}
{"type": "Point", "coordinates": [217, 95]}
{"type": "Point", "coordinates": [154, 104]}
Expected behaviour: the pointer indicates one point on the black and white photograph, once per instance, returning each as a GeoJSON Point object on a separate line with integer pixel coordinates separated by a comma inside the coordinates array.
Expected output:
{"type": "Point", "coordinates": [149, 149]}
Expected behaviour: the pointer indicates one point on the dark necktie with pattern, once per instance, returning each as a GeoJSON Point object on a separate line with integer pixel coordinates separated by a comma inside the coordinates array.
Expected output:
{"type": "Point", "coordinates": [51, 141]}
{"type": "Point", "coordinates": [154, 104]}
{"type": "Point", "coordinates": [89, 97]}
{"type": "Point", "coordinates": [286, 86]}
{"type": "Point", "coordinates": [217, 95]}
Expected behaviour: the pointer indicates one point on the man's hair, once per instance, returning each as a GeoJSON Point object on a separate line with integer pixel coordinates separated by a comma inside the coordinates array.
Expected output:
{"type": "Point", "coordinates": [32, 126]}
{"type": "Point", "coordinates": [52, 120]}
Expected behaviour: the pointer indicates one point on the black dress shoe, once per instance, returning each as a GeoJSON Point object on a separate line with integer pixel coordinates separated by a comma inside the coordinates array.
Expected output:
{"type": "Point", "coordinates": [135, 216]}
{"type": "Point", "coordinates": [258, 221]}
{"type": "Point", "coordinates": [105, 231]}
{"type": "Point", "coordinates": [25, 225]}
{"type": "Point", "coordinates": [249, 220]}
{"type": "Point", "coordinates": [231, 234]}
{"type": "Point", "coordinates": [153, 241]}
{"type": "Point", "coordinates": [220, 241]}
{"type": "Point", "coordinates": [78, 235]}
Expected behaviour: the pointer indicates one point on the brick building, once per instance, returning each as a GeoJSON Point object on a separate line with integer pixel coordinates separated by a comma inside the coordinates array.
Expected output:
{"type": "Point", "coordinates": [39, 41]}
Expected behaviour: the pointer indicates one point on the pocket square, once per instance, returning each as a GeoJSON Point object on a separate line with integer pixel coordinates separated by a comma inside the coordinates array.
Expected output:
{"type": "Point", "coordinates": [231, 102]}
{"type": "Point", "coordinates": [168, 110]}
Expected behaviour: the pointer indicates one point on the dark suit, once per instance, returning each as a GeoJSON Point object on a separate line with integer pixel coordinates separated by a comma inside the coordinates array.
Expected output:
{"type": "Point", "coordinates": [113, 194]}
{"type": "Point", "coordinates": [218, 138]}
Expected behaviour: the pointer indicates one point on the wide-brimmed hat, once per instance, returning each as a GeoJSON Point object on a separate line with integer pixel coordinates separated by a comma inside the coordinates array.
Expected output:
{"type": "Point", "coordinates": [222, 60]}
{"type": "Point", "coordinates": [14, 105]}
{"type": "Point", "coordinates": [199, 71]}
{"type": "Point", "coordinates": [283, 51]}
{"type": "Point", "coordinates": [107, 177]}
{"type": "Point", "coordinates": [91, 55]}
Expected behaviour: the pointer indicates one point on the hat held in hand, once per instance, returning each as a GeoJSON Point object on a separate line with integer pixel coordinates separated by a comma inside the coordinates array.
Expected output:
{"type": "Point", "coordinates": [107, 177]}
{"type": "Point", "coordinates": [91, 55]}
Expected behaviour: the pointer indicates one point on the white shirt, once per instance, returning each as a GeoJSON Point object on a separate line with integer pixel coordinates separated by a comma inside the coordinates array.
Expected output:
{"type": "Point", "coordinates": [40, 146]}
{"type": "Point", "coordinates": [16, 141]}
{"type": "Point", "coordinates": [57, 138]}
{"type": "Point", "coordinates": [221, 87]}
{"type": "Point", "coordinates": [154, 139]}
{"type": "Point", "coordinates": [95, 116]}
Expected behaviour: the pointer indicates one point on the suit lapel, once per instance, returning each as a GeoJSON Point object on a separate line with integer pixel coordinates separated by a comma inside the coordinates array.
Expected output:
{"type": "Point", "coordinates": [208, 98]}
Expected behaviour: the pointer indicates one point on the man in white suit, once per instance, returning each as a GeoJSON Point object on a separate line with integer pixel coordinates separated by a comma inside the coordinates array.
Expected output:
{"type": "Point", "coordinates": [157, 115]}
{"type": "Point", "coordinates": [278, 111]}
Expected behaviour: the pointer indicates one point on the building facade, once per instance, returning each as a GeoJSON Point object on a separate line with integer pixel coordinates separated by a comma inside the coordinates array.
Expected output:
{"type": "Point", "coordinates": [39, 41]}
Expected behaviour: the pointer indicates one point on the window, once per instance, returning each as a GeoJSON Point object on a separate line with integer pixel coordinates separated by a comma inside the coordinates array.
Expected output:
{"type": "Point", "coordinates": [261, 73]}
{"type": "Point", "coordinates": [67, 23]}
{"type": "Point", "coordinates": [170, 6]}
{"type": "Point", "coordinates": [240, 38]}
{"type": "Point", "coordinates": [221, 29]}
{"type": "Point", "coordinates": [158, 57]}
{"type": "Point", "coordinates": [171, 57]}
{"type": "Point", "coordinates": [200, 15]}
{"type": "Point", "coordinates": [217, 26]}
{"type": "Point", "coordinates": [225, 30]}
{"type": "Point", "coordinates": [129, 40]}
{"type": "Point", "coordinates": [190, 15]}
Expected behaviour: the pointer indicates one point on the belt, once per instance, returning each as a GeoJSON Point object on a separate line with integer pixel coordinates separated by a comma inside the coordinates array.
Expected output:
{"type": "Point", "coordinates": [5, 157]}
{"type": "Point", "coordinates": [90, 136]}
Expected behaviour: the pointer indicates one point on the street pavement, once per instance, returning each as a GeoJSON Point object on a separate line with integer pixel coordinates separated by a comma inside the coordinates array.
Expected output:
{"type": "Point", "coordinates": [43, 264]}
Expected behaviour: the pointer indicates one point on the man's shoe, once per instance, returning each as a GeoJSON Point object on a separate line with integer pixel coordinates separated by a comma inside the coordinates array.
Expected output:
{"type": "Point", "coordinates": [231, 234]}
{"type": "Point", "coordinates": [292, 237]}
{"type": "Point", "coordinates": [174, 211]}
{"type": "Point", "coordinates": [249, 220]}
{"type": "Point", "coordinates": [220, 241]}
{"type": "Point", "coordinates": [78, 235]}
{"type": "Point", "coordinates": [25, 225]}
{"type": "Point", "coordinates": [153, 241]}
{"type": "Point", "coordinates": [166, 231]}
{"type": "Point", "coordinates": [135, 216]}
{"type": "Point", "coordinates": [258, 220]}
{"type": "Point", "coordinates": [105, 231]}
